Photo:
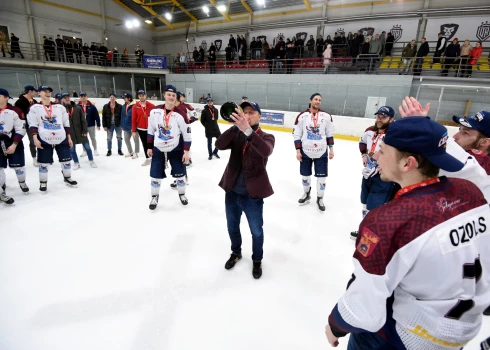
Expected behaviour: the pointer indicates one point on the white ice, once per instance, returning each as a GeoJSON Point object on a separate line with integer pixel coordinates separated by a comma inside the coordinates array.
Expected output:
{"type": "Point", "coordinates": [94, 268]}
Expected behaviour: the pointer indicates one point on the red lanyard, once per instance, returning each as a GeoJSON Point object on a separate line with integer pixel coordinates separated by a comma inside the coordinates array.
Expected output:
{"type": "Point", "coordinates": [84, 107]}
{"type": "Point", "coordinates": [49, 111]}
{"type": "Point", "coordinates": [211, 110]}
{"type": "Point", "coordinates": [407, 189]}
{"type": "Point", "coordinates": [314, 117]}
{"type": "Point", "coordinates": [375, 143]}
{"type": "Point", "coordinates": [70, 112]}
{"type": "Point", "coordinates": [144, 109]}
{"type": "Point", "coordinates": [4, 108]}
{"type": "Point", "coordinates": [112, 108]}
{"type": "Point", "coordinates": [246, 144]}
{"type": "Point", "coordinates": [165, 117]}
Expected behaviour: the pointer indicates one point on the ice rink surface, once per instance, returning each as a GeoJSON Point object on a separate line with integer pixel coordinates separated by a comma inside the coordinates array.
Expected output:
{"type": "Point", "coordinates": [93, 268]}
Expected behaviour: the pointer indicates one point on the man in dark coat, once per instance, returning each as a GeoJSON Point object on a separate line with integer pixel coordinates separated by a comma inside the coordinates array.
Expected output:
{"type": "Point", "coordinates": [69, 51]}
{"type": "Point", "coordinates": [77, 49]}
{"type": "Point", "coordinates": [86, 52]}
{"type": "Point", "coordinates": [111, 120]}
{"type": "Point", "coordinates": [209, 119]}
{"type": "Point", "coordinates": [94, 53]}
{"type": "Point", "coordinates": [25, 101]}
{"type": "Point", "coordinates": [245, 181]}
{"type": "Point", "coordinates": [15, 46]}
{"type": "Point", "coordinates": [78, 130]}
{"type": "Point", "coordinates": [59, 48]}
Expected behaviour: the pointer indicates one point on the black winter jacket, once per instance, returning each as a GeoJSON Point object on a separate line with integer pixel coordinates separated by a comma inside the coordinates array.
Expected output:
{"type": "Point", "coordinates": [210, 124]}
{"type": "Point", "coordinates": [78, 124]}
{"type": "Point", "coordinates": [107, 115]}
{"type": "Point", "coordinates": [23, 104]}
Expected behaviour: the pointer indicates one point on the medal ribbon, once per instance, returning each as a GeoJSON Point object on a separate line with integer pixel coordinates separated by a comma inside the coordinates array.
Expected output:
{"type": "Point", "coordinates": [49, 111]}
{"type": "Point", "coordinates": [375, 143]}
{"type": "Point", "coordinates": [246, 144]}
{"type": "Point", "coordinates": [314, 117]}
{"type": "Point", "coordinates": [407, 189]}
{"type": "Point", "coordinates": [70, 112]}
{"type": "Point", "coordinates": [84, 107]}
{"type": "Point", "coordinates": [112, 108]}
{"type": "Point", "coordinates": [212, 113]}
{"type": "Point", "coordinates": [4, 108]}
{"type": "Point", "coordinates": [167, 118]}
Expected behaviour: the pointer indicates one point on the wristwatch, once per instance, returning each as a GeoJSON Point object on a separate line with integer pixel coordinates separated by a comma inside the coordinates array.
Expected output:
{"type": "Point", "coordinates": [248, 131]}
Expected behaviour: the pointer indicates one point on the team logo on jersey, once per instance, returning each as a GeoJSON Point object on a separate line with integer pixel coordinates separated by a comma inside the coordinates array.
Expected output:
{"type": "Point", "coordinates": [483, 31]}
{"type": "Point", "coordinates": [449, 30]}
{"type": "Point", "coordinates": [368, 242]}
{"type": "Point", "coordinates": [164, 132]}
{"type": "Point", "coordinates": [50, 123]}
{"type": "Point", "coordinates": [218, 43]}
{"type": "Point", "coordinates": [313, 133]}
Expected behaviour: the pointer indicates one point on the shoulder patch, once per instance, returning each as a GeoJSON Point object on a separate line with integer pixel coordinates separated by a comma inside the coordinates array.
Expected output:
{"type": "Point", "coordinates": [367, 242]}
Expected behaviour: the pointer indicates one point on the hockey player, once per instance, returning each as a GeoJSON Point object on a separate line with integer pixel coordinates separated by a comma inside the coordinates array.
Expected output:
{"type": "Point", "coordinates": [140, 113]}
{"type": "Point", "coordinates": [374, 191]}
{"type": "Point", "coordinates": [168, 134]}
{"type": "Point", "coordinates": [435, 230]}
{"type": "Point", "coordinates": [50, 126]}
{"type": "Point", "coordinates": [25, 101]}
{"type": "Point", "coordinates": [313, 139]}
{"type": "Point", "coordinates": [12, 130]}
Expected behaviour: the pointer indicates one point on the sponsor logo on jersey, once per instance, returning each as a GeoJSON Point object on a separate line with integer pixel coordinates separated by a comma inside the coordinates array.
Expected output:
{"type": "Point", "coordinates": [164, 132]}
{"type": "Point", "coordinates": [368, 242]}
{"type": "Point", "coordinates": [313, 133]}
{"type": "Point", "coordinates": [443, 205]}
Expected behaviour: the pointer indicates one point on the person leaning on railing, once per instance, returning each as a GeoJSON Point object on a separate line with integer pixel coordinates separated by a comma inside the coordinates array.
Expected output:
{"type": "Point", "coordinates": [473, 57]}
{"type": "Point", "coordinates": [451, 56]}
{"type": "Point", "coordinates": [408, 54]}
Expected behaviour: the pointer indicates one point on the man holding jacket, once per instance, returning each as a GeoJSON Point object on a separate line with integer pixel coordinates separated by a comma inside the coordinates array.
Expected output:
{"type": "Point", "coordinates": [245, 181]}
{"type": "Point", "coordinates": [209, 119]}
{"type": "Point", "coordinates": [111, 120]}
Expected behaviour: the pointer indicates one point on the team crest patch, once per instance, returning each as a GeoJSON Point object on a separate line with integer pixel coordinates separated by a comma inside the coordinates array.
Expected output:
{"type": "Point", "coordinates": [368, 242]}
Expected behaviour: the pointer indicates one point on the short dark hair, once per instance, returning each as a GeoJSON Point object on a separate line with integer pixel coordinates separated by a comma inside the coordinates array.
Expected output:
{"type": "Point", "coordinates": [425, 167]}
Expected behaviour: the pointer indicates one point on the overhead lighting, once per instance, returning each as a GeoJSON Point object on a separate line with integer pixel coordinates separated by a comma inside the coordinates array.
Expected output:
{"type": "Point", "coordinates": [148, 21]}
{"type": "Point", "coordinates": [129, 24]}
{"type": "Point", "coordinates": [205, 9]}
{"type": "Point", "coordinates": [261, 2]}
{"type": "Point", "coordinates": [221, 8]}
{"type": "Point", "coordinates": [106, 38]}
{"type": "Point", "coordinates": [168, 16]}
{"type": "Point", "coordinates": [136, 23]}
{"type": "Point", "coordinates": [74, 37]}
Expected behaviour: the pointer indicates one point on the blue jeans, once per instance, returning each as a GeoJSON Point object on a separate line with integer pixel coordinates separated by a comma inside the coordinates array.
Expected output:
{"type": "Point", "coordinates": [210, 147]}
{"type": "Point", "coordinates": [367, 341]}
{"type": "Point", "coordinates": [110, 133]}
{"type": "Point", "coordinates": [74, 155]}
{"type": "Point", "coordinates": [235, 205]}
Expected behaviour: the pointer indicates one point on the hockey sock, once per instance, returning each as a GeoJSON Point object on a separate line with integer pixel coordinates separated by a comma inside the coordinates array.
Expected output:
{"type": "Point", "coordinates": [320, 186]}
{"type": "Point", "coordinates": [66, 169]}
{"type": "Point", "coordinates": [181, 185]}
{"type": "Point", "coordinates": [3, 178]}
{"type": "Point", "coordinates": [43, 172]}
{"type": "Point", "coordinates": [155, 186]}
{"type": "Point", "coordinates": [21, 174]}
{"type": "Point", "coordinates": [306, 184]}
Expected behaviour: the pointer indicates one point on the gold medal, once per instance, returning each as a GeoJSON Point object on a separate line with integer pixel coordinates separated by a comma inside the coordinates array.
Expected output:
{"type": "Point", "coordinates": [371, 154]}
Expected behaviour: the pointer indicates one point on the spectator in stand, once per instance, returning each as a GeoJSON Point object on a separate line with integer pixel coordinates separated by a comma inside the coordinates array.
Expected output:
{"type": "Point", "coordinates": [365, 55]}
{"type": "Point", "coordinates": [290, 55]}
{"type": "Point", "coordinates": [111, 120]}
{"type": "Point", "coordinates": [126, 125]}
{"type": "Point", "coordinates": [422, 52]}
{"type": "Point", "coordinates": [141, 112]}
{"type": "Point", "coordinates": [209, 119]}
{"type": "Point", "coordinates": [77, 50]}
{"type": "Point", "coordinates": [212, 47]}
{"type": "Point", "coordinates": [310, 47]}
{"type": "Point", "coordinates": [327, 55]}
{"type": "Point", "coordinates": [408, 54]}
{"type": "Point", "coordinates": [212, 62]}
{"type": "Point", "coordinates": [103, 55]}
{"type": "Point", "coordinates": [15, 46]}
{"type": "Point", "coordinates": [3, 43]}
{"type": "Point", "coordinates": [74, 93]}
{"type": "Point", "coordinates": [279, 57]}
{"type": "Point", "coordinates": [201, 55]}
{"type": "Point", "coordinates": [473, 58]}
{"type": "Point", "coordinates": [327, 41]}
{"type": "Point", "coordinates": [69, 51]}
{"type": "Point", "coordinates": [265, 46]}
{"type": "Point", "coordinates": [125, 58]}
{"type": "Point", "coordinates": [319, 46]}
{"type": "Point", "coordinates": [86, 52]}
{"type": "Point", "coordinates": [390, 40]}
{"type": "Point", "coordinates": [241, 54]}
{"type": "Point", "coordinates": [253, 49]}
{"type": "Point", "coordinates": [465, 54]}
{"type": "Point", "coordinates": [228, 54]}
{"type": "Point", "coordinates": [154, 97]}
{"type": "Point", "coordinates": [115, 57]}
{"type": "Point", "coordinates": [238, 45]}
{"type": "Point", "coordinates": [209, 95]}
{"type": "Point", "coordinates": [139, 53]}
{"type": "Point", "coordinates": [109, 58]}
{"type": "Point", "coordinates": [195, 56]}
{"type": "Point", "coordinates": [440, 48]}
{"type": "Point", "coordinates": [182, 62]}
{"type": "Point", "coordinates": [357, 42]}
{"type": "Point", "coordinates": [451, 56]}
{"type": "Point", "coordinates": [25, 101]}
{"type": "Point", "coordinates": [375, 46]}
{"type": "Point", "coordinates": [300, 47]}
{"type": "Point", "coordinates": [270, 58]}
{"type": "Point", "coordinates": [342, 48]}
{"type": "Point", "coordinates": [202, 99]}
{"type": "Point", "coordinates": [94, 53]}
{"type": "Point", "coordinates": [93, 120]}
{"type": "Point", "coordinates": [46, 47]}
{"type": "Point", "coordinates": [232, 43]}
{"type": "Point", "coordinates": [60, 48]}
{"type": "Point", "coordinates": [383, 42]}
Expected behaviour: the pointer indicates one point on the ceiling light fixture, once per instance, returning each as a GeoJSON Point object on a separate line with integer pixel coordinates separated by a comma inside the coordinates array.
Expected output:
{"type": "Point", "coordinates": [129, 24]}
{"type": "Point", "coordinates": [222, 8]}
{"type": "Point", "coordinates": [136, 23]}
{"type": "Point", "coordinates": [148, 21]}
{"type": "Point", "coordinates": [261, 2]}
{"type": "Point", "coordinates": [168, 16]}
{"type": "Point", "coordinates": [206, 10]}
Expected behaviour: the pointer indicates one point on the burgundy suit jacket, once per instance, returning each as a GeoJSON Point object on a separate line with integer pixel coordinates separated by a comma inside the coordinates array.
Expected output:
{"type": "Point", "coordinates": [252, 162]}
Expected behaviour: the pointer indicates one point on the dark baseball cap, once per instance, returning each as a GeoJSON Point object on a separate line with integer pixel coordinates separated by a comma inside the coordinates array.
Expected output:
{"type": "Point", "coordinates": [5, 93]}
{"type": "Point", "coordinates": [480, 121]}
{"type": "Point", "coordinates": [65, 94]}
{"type": "Point", "coordinates": [170, 88]}
{"type": "Point", "coordinates": [251, 104]}
{"type": "Point", "coordinates": [423, 136]}
{"type": "Point", "coordinates": [30, 88]}
{"type": "Point", "coordinates": [44, 88]}
{"type": "Point", "coordinates": [386, 110]}
{"type": "Point", "coordinates": [243, 97]}
{"type": "Point", "coordinates": [127, 94]}
{"type": "Point", "coordinates": [57, 96]}
{"type": "Point", "coordinates": [112, 94]}
{"type": "Point", "coordinates": [141, 92]}
{"type": "Point", "coordinates": [209, 99]}
{"type": "Point", "coordinates": [83, 93]}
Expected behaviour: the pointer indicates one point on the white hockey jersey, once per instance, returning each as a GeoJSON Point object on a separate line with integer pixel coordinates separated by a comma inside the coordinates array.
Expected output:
{"type": "Point", "coordinates": [425, 256]}
{"type": "Point", "coordinates": [369, 144]}
{"type": "Point", "coordinates": [50, 129]}
{"type": "Point", "coordinates": [313, 138]}
{"type": "Point", "coordinates": [168, 137]}
{"type": "Point", "coordinates": [12, 124]}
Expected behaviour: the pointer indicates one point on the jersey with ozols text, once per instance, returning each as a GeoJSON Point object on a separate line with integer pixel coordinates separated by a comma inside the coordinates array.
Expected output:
{"type": "Point", "coordinates": [51, 123]}
{"type": "Point", "coordinates": [12, 124]}
{"type": "Point", "coordinates": [313, 133]}
{"type": "Point", "coordinates": [166, 135]}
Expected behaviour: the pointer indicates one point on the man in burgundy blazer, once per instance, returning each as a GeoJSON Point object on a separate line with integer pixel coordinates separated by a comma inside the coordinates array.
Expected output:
{"type": "Point", "coordinates": [245, 181]}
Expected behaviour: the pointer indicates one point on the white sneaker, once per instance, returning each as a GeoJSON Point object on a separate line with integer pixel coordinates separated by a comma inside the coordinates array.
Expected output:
{"type": "Point", "coordinates": [135, 155]}
{"type": "Point", "coordinates": [92, 164]}
{"type": "Point", "coordinates": [35, 163]}
{"type": "Point", "coordinates": [76, 166]}
{"type": "Point", "coordinates": [146, 162]}
{"type": "Point", "coordinates": [128, 155]}
{"type": "Point", "coordinates": [84, 153]}
{"type": "Point", "coordinates": [96, 153]}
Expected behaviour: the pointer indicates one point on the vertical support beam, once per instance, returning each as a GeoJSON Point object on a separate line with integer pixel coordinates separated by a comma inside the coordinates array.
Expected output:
{"type": "Point", "coordinates": [422, 23]}
{"type": "Point", "coordinates": [80, 83]}
{"type": "Point", "coordinates": [95, 85]}
{"type": "Point", "coordinates": [32, 37]}
{"type": "Point", "coordinates": [102, 16]}
{"type": "Point", "coordinates": [18, 81]}
{"type": "Point", "coordinates": [321, 27]}
{"type": "Point", "coordinates": [133, 91]}
{"type": "Point", "coordinates": [160, 86]}
{"type": "Point", "coordinates": [114, 84]}
{"type": "Point", "coordinates": [439, 103]}
{"type": "Point", "coordinates": [59, 84]}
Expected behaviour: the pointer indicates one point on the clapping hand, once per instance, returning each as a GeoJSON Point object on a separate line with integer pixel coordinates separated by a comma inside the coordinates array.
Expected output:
{"type": "Point", "coordinates": [412, 108]}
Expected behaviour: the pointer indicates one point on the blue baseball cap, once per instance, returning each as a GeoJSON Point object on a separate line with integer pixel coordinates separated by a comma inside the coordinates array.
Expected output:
{"type": "Point", "coordinates": [243, 97]}
{"type": "Point", "coordinates": [57, 96]}
{"type": "Point", "coordinates": [422, 136]}
{"type": "Point", "coordinates": [178, 95]}
{"type": "Point", "coordinates": [209, 99]}
{"type": "Point", "coordinates": [251, 104]}
{"type": "Point", "coordinates": [30, 88]}
{"type": "Point", "coordinates": [5, 93]}
{"type": "Point", "coordinates": [480, 121]}
{"type": "Point", "coordinates": [386, 110]}
{"type": "Point", "coordinates": [112, 94]}
{"type": "Point", "coordinates": [65, 94]}
{"type": "Point", "coordinates": [170, 88]}
{"type": "Point", "coordinates": [141, 92]}
{"type": "Point", "coordinates": [83, 93]}
{"type": "Point", "coordinates": [128, 95]}
{"type": "Point", "coordinates": [44, 88]}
